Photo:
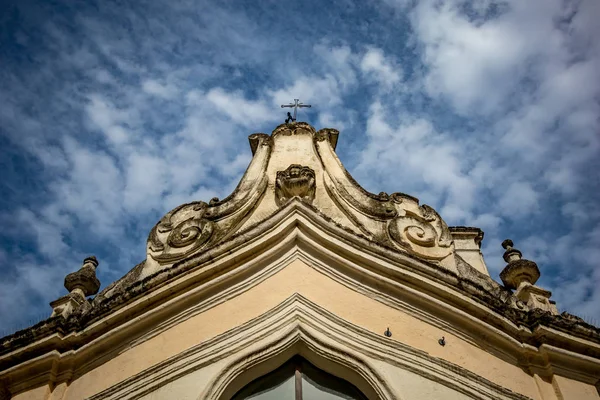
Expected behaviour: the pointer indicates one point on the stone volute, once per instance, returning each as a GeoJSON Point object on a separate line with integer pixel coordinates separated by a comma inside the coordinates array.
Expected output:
{"type": "Point", "coordinates": [521, 275]}
{"type": "Point", "coordinates": [80, 284]}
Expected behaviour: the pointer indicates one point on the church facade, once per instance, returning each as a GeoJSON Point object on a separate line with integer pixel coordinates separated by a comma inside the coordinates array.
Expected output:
{"type": "Point", "coordinates": [302, 285]}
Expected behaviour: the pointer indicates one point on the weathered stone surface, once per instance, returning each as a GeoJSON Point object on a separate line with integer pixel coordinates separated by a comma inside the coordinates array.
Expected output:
{"type": "Point", "coordinates": [467, 245]}
{"type": "Point", "coordinates": [521, 276]}
{"type": "Point", "coordinates": [80, 284]}
{"type": "Point", "coordinates": [295, 181]}
{"type": "Point", "coordinates": [518, 270]}
{"type": "Point", "coordinates": [84, 279]}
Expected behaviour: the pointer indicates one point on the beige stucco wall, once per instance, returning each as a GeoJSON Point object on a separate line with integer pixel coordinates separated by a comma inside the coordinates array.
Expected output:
{"type": "Point", "coordinates": [38, 393]}
{"type": "Point", "coordinates": [298, 277]}
{"type": "Point", "coordinates": [349, 305]}
{"type": "Point", "coordinates": [572, 389]}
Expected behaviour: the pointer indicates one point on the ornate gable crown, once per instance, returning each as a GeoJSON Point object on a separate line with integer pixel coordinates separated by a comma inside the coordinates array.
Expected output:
{"type": "Point", "coordinates": [298, 163]}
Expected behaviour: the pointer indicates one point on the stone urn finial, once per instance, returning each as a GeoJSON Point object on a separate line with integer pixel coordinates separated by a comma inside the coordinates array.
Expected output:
{"type": "Point", "coordinates": [80, 284]}
{"type": "Point", "coordinates": [521, 275]}
{"type": "Point", "coordinates": [511, 254]}
{"type": "Point", "coordinates": [84, 281]}
{"type": "Point", "coordinates": [518, 270]}
{"type": "Point", "coordinates": [91, 261]}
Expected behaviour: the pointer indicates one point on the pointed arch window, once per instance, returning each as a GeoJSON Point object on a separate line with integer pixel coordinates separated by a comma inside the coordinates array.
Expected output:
{"type": "Point", "coordinates": [299, 380]}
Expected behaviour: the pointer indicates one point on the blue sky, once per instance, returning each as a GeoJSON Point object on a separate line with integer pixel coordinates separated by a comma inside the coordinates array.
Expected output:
{"type": "Point", "coordinates": [112, 113]}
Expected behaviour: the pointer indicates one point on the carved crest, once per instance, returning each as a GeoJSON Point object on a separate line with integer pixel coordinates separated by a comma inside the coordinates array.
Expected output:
{"type": "Point", "coordinates": [296, 180]}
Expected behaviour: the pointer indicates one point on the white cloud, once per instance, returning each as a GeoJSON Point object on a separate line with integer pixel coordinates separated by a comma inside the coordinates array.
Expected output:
{"type": "Point", "coordinates": [486, 221]}
{"type": "Point", "coordinates": [153, 87]}
{"type": "Point", "coordinates": [108, 119]}
{"type": "Point", "coordinates": [322, 91]}
{"type": "Point", "coordinates": [48, 236]}
{"type": "Point", "coordinates": [375, 64]}
{"type": "Point", "coordinates": [339, 61]}
{"type": "Point", "coordinates": [145, 181]}
{"type": "Point", "coordinates": [468, 55]}
{"type": "Point", "coordinates": [240, 110]}
{"type": "Point", "coordinates": [518, 199]}
{"type": "Point", "coordinates": [420, 157]}
{"type": "Point", "coordinates": [92, 188]}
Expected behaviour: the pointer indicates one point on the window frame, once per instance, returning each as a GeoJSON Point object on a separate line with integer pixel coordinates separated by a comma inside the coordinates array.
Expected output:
{"type": "Point", "coordinates": [296, 363]}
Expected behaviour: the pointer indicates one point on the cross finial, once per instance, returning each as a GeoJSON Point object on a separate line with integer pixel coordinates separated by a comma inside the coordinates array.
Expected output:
{"type": "Point", "coordinates": [295, 105]}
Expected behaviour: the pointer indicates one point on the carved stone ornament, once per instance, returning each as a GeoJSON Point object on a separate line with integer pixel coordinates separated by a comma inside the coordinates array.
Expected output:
{"type": "Point", "coordinates": [66, 305]}
{"type": "Point", "coordinates": [181, 232]}
{"type": "Point", "coordinates": [80, 284]}
{"type": "Point", "coordinates": [518, 270]}
{"type": "Point", "coordinates": [424, 233]}
{"type": "Point", "coordinates": [393, 219]}
{"type": "Point", "coordinates": [295, 181]}
{"type": "Point", "coordinates": [84, 281]}
{"type": "Point", "coordinates": [191, 228]}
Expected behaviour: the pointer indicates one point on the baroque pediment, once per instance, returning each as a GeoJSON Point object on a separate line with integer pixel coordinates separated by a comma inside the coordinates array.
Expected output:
{"type": "Point", "coordinates": [296, 161]}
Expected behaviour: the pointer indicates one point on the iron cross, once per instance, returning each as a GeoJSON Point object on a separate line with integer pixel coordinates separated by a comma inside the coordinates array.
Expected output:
{"type": "Point", "coordinates": [295, 105]}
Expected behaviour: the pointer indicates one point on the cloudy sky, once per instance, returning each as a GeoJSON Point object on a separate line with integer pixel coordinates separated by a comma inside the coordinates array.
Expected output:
{"type": "Point", "coordinates": [112, 113]}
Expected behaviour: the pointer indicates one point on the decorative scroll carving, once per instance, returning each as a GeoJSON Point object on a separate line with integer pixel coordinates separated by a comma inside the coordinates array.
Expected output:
{"type": "Point", "coordinates": [424, 233]}
{"type": "Point", "coordinates": [394, 219]}
{"type": "Point", "coordinates": [193, 227]}
{"type": "Point", "coordinates": [156, 240]}
{"type": "Point", "coordinates": [194, 231]}
{"type": "Point", "coordinates": [181, 232]}
{"type": "Point", "coordinates": [296, 180]}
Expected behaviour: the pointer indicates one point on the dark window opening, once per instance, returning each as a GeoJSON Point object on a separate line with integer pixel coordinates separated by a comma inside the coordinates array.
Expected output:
{"type": "Point", "coordinates": [298, 379]}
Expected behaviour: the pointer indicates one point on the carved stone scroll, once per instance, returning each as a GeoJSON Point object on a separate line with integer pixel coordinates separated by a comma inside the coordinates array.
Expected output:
{"type": "Point", "coordinates": [192, 227]}
{"type": "Point", "coordinates": [295, 181]}
{"type": "Point", "coordinates": [423, 233]}
{"type": "Point", "coordinates": [180, 233]}
{"type": "Point", "coordinates": [396, 220]}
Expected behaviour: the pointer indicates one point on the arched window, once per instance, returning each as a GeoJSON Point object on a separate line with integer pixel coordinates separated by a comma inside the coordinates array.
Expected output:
{"type": "Point", "coordinates": [299, 380]}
